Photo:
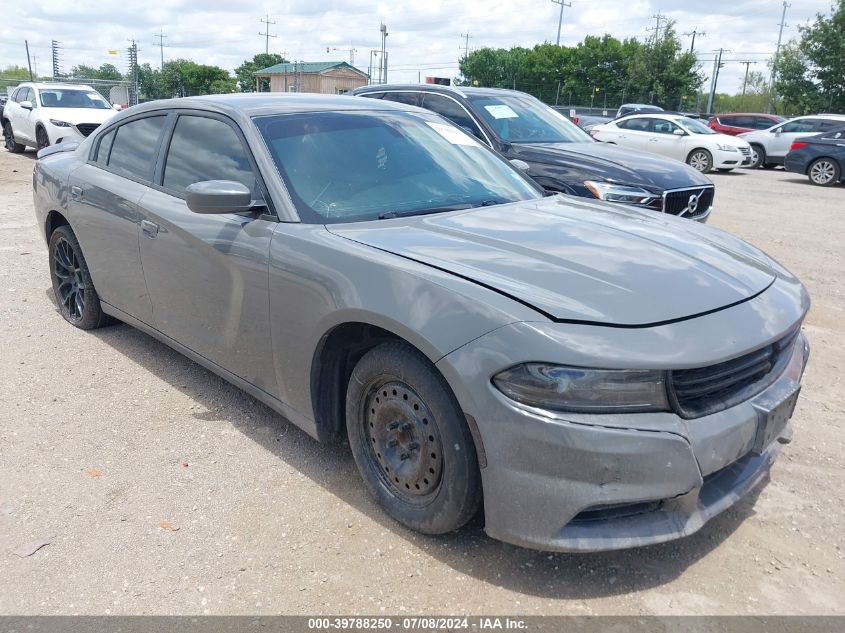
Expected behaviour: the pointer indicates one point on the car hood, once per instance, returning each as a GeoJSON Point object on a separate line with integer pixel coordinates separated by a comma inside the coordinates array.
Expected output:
{"type": "Point", "coordinates": [615, 164]}
{"type": "Point", "coordinates": [580, 261]}
{"type": "Point", "coordinates": [79, 115]}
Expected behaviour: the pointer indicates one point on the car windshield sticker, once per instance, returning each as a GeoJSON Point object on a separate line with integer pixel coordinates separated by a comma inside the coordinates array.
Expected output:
{"type": "Point", "coordinates": [501, 112]}
{"type": "Point", "coordinates": [381, 158]}
{"type": "Point", "coordinates": [452, 134]}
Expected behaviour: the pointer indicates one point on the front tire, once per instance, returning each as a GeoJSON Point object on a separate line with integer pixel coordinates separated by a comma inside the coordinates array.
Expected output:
{"type": "Point", "coordinates": [410, 441]}
{"type": "Point", "coordinates": [758, 157]}
{"type": "Point", "coordinates": [75, 294]}
{"type": "Point", "coordinates": [824, 172]}
{"type": "Point", "coordinates": [41, 138]}
{"type": "Point", "coordinates": [9, 139]}
{"type": "Point", "coordinates": [700, 160]}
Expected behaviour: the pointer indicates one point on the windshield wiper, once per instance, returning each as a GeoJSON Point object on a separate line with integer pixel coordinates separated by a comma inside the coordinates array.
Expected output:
{"type": "Point", "coordinates": [446, 207]}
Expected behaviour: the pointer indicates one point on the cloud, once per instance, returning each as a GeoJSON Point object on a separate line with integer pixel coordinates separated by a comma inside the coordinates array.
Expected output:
{"type": "Point", "coordinates": [424, 35]}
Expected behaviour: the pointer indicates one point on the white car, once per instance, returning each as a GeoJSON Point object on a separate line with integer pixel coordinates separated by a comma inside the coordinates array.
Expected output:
{"type": "Point", "coordinates": [678, 137]}
{"type": "Point", "coordinates": [42, 114]}
{"type": "Point", "coordinates": [769, 147]}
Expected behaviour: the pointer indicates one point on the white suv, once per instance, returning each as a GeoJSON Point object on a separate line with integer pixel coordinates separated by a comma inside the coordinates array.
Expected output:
{"type": "Point", "coordinates": [41, 114]}
{"type": "Point", "coordinates": [770, 147]}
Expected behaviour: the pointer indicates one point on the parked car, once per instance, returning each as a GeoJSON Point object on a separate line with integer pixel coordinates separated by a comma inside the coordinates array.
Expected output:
{"type": "Point", "coordinates": [677, 137]}
{"type": "Point", "coordinates": [602, 376]}
{"type": "Point", "coordinates": [558, 155]}
{"type": "Point", "coordinates": [40, 114]}
{"type": "Point", "coordinates": [587, 122]}
{"type": "Point", "coordinates": [3, 98]}
{"type": "Point", "coordinates": [820, 157]}
{"type": "Point", "coordinates": [636, 108]}
{"type": "Point", "coordinates": [770, 147]}
{"type": "Point", "coordinates": [738, 123]}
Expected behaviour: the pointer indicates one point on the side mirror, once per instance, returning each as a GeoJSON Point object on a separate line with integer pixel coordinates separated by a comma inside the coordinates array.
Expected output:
{"type": "Point", "coordinates": [777, 131]}
{"type": "Point", "coordinates": [26, 105]}
{"type": "Point", "coordinates": [679, 132]}
{"type": "Point", "coordinates": [520, 164]}
{"type": "Point", "coordinates": [218, 196]}
{"type": "Point", "coordinates": [117, 107]}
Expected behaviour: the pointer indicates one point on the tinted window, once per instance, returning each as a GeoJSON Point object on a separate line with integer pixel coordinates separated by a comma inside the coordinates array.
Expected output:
{"type": "Point", "coordinates": [18, 95]}
{"type": "Point", "coordinates": [373, 95]}
{"type": "Point", "coordinates": [353, 166]}
{"type": "Point", "coordinates": [761, 123]}
{"type": "Point", "coordinates": [824, 126]}
{"type": "Point", "coordinates": [664, 127]}
{"type": "Point", "coordinates": [205, 149]}
{"type": "Point", "coordinates": [408, 98]}
{"type": "Point", "coordinates": [102, 155]}
{"type": "Point", "coordinates": [635, 125]}
{"type": "Point", "coordinates": [134, 148]}
{"type": "Point", "coordinates": [446, 107]}
{"type": "Point", "coordinates": [798, 126]}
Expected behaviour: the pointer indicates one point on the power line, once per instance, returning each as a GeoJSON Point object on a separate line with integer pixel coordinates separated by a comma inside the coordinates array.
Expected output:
{"type": "Point", "coordinates": [161, 37]}
{"type": "Point", "coordinates": [267, 35]}
{"type": "Point", "coordinates": [560, 17]}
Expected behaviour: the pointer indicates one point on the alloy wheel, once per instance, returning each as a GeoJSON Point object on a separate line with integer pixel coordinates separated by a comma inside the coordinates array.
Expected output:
{"type": "Point", "coordinates": [822, 172]}
{"type": "Point", "coordinates": [404, 442]}
{"type": "Point", "coordinates": [71, 283]}
{"type": "Point", "coordinates": [41, 138]}
{"type": "Point", "coordinates": [700, 161]}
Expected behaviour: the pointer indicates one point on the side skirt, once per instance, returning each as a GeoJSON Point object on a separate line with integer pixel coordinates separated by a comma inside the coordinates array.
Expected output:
{"type": "Point", "coordinates": [287, 412]}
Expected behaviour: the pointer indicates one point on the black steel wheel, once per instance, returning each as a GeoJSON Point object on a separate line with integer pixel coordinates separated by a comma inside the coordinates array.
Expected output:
{"type": "Point", "coordinates": [824, 172]}
{"type": "Point", "coordinates": [410, 440]}
{"type": "Point", "coordinates": [41, 138]}
{"type": "Point", "coordinates": [76, 296]}
{"type": "Point", "coordinates": [9, 139]}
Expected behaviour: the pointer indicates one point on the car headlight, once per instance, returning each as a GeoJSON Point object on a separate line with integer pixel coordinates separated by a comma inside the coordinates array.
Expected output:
{"type": "Point", "coordinates": [58, 123]}
{"type": "Point", "coordinates": [727, 148]}
{"type": "Point", "coordinates": [584, 390]}
{"type": "Point", "coordinates": [612, 192]}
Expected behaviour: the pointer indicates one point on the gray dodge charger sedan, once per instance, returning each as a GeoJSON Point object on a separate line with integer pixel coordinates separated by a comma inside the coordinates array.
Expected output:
{"type": "Point", "coordinates": [602, 377]}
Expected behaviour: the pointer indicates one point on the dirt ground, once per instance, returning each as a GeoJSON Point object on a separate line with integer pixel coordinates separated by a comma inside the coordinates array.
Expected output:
{"type": "Point", "coordinates": [165, 490]}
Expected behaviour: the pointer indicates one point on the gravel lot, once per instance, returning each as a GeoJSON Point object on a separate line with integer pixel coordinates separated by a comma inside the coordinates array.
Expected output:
{"type": "Point", "coordinates": [165, 490]}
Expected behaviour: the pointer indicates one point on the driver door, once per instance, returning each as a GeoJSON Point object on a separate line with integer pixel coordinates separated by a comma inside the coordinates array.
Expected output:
{"type": "Point", "coordinates": [780, 143]}
{"type": "Point", "coordinates": [664, 141]}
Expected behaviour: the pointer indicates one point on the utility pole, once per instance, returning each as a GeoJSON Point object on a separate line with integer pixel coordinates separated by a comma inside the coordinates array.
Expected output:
{"type": "Point", "coordinates": [266, 20]}
{"type": "Point", "coordinates": [560, 17]}
{"type": "Point", "coordinates": [717, 64]}
{"type": "Point", "coordinates": [54, 46]}
{"type": "Point", "coordinates": [786, 5]}
{"type": "Point", "coordinates": [28, 62]}
{"type": "Point", "coordinates": [658, 19]}
{"type": "Point", "coordinates": [745, 81]}
{"type": "Point", "coordinates": [133, 72]}
{"type": "Point", "coordinates": [161, 37]}
{"type": "Point", "coordinates": [466, 37]}
{"type": "Point", "coordinates": [694, 32]}
{"type": "Point", "coordinates": [382, 65]}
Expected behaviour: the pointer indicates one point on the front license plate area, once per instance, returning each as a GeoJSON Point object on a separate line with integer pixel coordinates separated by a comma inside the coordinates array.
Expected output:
{"type": "Point", "coordinates": [771, 422]}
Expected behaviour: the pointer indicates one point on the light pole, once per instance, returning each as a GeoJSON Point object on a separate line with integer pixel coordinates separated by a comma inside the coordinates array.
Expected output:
{"type": "Point", "coordinates": [560, 17]}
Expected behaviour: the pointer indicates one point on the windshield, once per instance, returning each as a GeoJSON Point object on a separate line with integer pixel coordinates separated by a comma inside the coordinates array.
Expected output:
{"type": "Point", "coordinates": [72, 98]}
{"type": "Point", "coordinates": [518, 119]}
{"type": "Point", "coordinates": [694, 126]}
{"type": "Point", "coordinates": [356, 166]}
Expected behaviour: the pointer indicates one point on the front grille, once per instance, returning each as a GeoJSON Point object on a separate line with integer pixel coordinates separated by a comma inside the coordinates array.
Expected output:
{"type": "Point", "coordinates": [86, 128]}
{"type": "Point", "coordinates": [746, 151]}
{"type": "Point", "coordinates": [691, 202]}
{"type": "Point", "coordinates": [705, 390]}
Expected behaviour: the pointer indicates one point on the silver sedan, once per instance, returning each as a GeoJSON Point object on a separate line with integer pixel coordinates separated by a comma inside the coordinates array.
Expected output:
{"type": "Point", "coordinates": [602, 377]}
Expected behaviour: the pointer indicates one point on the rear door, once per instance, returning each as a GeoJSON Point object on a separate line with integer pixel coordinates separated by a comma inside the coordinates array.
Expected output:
{"type": "Point", "coordinates": [634, 133]}
{"type": "Point", "coordinates": [208, 274]}
{"type": "Point", "coordinates": [103, 206]}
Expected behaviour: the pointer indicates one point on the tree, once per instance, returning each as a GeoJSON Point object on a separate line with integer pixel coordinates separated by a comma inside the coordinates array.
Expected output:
{"type": "Point", "coordinates": [245, 73]}
{"type": "Point", "coordinates": [11, 76]}
{"type": "Point", "coordinates": [811, 71]}
{"type": "Point", "coordinates": [105, 71]}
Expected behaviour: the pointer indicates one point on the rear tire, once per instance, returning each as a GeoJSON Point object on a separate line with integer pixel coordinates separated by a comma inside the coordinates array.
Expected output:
{"type": "Point", "coordinates": [824, 172]}
{"type": "Point", "coordinates": [76, 296]}
{"type": "Point", "coordinates": [9, 139]}
{"type": "Point", "coordinates": [700, 160]}
{"type": "Point", "coordinates": [769, 165]}
{"type": "Point", "coordinates": [410, 440]}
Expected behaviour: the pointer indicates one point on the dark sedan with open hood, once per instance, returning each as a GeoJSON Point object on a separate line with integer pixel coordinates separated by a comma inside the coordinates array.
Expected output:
{"type": "Point", "coordinates": [556, 153]}
{"type": "Point", "coordinates": [601, 376]}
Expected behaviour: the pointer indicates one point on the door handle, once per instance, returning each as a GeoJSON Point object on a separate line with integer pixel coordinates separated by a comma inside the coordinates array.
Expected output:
{"type": "Point", "coordinates": [652, 140]}
{"type": "Point", "coordinates": [75, 192]}
{"type": "Point", "coordinates": [150, 229]}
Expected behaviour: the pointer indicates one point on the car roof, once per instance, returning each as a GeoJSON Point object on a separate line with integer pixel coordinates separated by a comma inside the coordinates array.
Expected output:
{"type": "Point", "coordinates": [462, 91]}
{"type": "Point", "coordinates": [763, 114]}
{"type": "Point", "coordinates": [268, 103]}
{"type": "Point", "coordinates": [652, 115]}
{"type": "Point", "coordinates": [47, 85]}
